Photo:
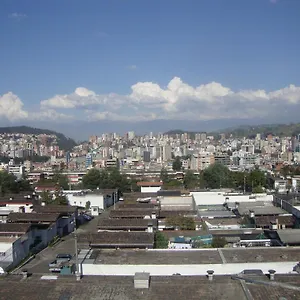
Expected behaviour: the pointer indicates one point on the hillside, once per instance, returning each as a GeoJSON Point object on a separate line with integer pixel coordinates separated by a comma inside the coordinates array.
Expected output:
{"type": "Point", "coordinates": [265, 129]}
{"type": "Point", "coordinates": [62, 141]}
{"type": "Point", "coordinates": [250, 130]}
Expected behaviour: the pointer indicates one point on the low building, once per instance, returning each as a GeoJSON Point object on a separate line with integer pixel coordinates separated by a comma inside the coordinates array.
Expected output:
{"type": "Point", "coordinates": [21, 202]}
{"type": "Point", "coordinates": [116, 240]}
{"type": "Point", "coordinates": [223, 261]}
{"type": "Point", "coordinates": [148, 225]}
{"type": "Point", "coordinates": [134, 214]}
{"type": "Point", "coordinates": [96, 200]}
{"type": "Point", "coordinates": [16, 242]}
{"type": "Point", "coordinates": [275, 222]}
{"type": "Point", "coordinates": [45, 226]}
{"type": "Point", "coordinates": [289, 237]}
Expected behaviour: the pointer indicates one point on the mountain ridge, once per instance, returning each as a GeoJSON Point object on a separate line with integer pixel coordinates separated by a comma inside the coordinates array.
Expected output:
{"type": "Point", "coordinates": [64, 143]}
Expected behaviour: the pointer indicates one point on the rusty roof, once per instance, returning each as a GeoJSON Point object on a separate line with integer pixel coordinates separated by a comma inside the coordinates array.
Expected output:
{"type": "Point", "coordinates": [14, 227]}
{"type": "Point", "coordinates": [117, 239]}
{"type": "Point", "coordinates": [33, 217]}
{"type": "Point", "coordinates": [130, 213]}
{"type": "Point", "coordinates": [126, 223]}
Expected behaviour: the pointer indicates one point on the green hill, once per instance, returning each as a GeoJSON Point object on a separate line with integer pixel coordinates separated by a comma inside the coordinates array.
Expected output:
{"type": "Point", "coordinates": [63, 142]}
{"type": "Point", "coordinates": [280, 130]}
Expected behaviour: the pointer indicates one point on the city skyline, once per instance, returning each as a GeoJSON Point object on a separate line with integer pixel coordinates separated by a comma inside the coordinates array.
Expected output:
{"type": "Point", "coordinates": [201, 65]}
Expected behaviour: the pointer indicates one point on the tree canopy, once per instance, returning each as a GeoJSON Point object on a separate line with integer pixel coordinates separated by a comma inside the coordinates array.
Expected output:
{"type": "Point", "coordinates": [183, 223]}
{"type": "Point", "coordinates": [190, 180]}
{"type": "Point", "coordinates": [177, 164]}
{"type": "Point", "coordinates": [160, 241]}
{"type": "Point", "coordinates": [10, 184]}
{"type": "Point", "coordinates": [106, 179]}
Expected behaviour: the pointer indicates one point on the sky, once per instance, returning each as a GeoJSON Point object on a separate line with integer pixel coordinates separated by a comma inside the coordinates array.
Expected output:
{"type": "Point", "coordinates": [131, 62]}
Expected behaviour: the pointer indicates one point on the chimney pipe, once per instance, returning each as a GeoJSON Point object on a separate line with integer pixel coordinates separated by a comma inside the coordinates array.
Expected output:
{"type": "Point", "coordinates": [272, 274]}
{"type": "Point", "coordinates": [25, 274]}
{"type": "Point", "coordinates": [210, 274]}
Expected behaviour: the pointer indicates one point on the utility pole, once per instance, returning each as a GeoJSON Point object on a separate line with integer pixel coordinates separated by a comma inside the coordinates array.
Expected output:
{"type": "Point", "coordinates": [244, 184]}
{"type": "Point", "coordinates": [77, 273]}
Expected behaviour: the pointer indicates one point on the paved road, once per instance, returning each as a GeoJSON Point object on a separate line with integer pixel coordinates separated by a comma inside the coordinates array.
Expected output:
{"type": "Point", "coordinates": [67, 245]}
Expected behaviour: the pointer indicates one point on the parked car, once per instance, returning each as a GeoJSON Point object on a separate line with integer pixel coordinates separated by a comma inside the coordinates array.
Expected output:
{"type": "Point", "coordinates": [64, 257]}
{"type": "Point", "coordinates": [54, 266]}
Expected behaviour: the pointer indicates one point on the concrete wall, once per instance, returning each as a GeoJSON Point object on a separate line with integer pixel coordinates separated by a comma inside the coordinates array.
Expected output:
{"type": "Point", "coordinates": [46, 235]}
{"type": "Point", "coordinates": [167, 270]}
{"type": "Point", "coordinates": [66, 225]}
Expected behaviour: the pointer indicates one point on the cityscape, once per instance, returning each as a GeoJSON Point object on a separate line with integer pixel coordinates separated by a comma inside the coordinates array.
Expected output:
{"type": "Point", "coordinates": [150, 150]}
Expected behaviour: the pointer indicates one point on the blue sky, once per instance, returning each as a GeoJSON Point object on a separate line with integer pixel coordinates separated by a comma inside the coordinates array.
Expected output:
{"type": "Point", "coordinates": [148, 59]}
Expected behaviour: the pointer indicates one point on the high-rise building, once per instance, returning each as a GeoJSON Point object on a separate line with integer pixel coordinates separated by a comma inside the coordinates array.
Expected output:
{"type": "Point", "coordinates": [131, 135]}
{"type": "Point", "coordinates": [88, 160]}
{"type": "Point", "coordinates": [146, 156]}
{"type": "Point", "coordinates": [167, 153]}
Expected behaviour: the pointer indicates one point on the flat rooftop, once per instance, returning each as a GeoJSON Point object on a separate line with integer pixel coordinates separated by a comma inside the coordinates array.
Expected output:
{"type": "Point", "coordinates": [274, 254]}
{"type": "Point", "coordinates": [163, 287]}
{"type": "Point", "coordinates": [140, 257]}
{"type": "Point", "coordinates": [120, 288]}
{"type": "Point", "coordinates": [204, 256]}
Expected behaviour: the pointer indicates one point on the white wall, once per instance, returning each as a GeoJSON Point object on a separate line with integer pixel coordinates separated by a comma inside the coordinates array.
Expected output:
{"type": "Point", "coordinates": [150, 189]}
{"type": "Point", "coordinates": [95, 200]}
{"type": "Point", "coordinates": [192, 269]}
{"type": "Point", "coordinates": [15, 207]}
{"type": "Point", "coordinates": [218, 198]}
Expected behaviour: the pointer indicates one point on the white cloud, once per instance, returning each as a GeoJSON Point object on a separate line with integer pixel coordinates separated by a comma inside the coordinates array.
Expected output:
{"type": "Point", "coordinates": [50, 115]}
{"type": "Point", "coordinates": [148, 101]}
{"type": "Point", "coordinates": [179, 100]}
{"type": "Point", "coordinates": [132, 67]}
{"type": "Point", "coordinates": [17, 16]}
{"type": "Point", "coordinates": [11, 107]}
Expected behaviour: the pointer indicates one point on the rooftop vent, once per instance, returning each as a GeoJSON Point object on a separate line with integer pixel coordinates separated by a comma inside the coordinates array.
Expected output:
{"type": "Point", "coordinates": [25, 274]}
{"type": "Point", "coordinates": [210, 274]}
{"type": "Point", "coordinates": [272, 274]}
{"type": "Point", "coordinates": [141, 280]}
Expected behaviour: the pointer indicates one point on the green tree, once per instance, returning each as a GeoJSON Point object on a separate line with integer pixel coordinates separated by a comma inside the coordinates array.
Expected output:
{"type": "Point", "coordinates": [61, 180]}
{"type": "Point", "coordinates": [183, 223]}
{"type": "Point", "coordinates": [10, 184]}
{"type": "Point", "coordinates": [177, 164]}
{"type": "Point", "coordinates": [92, 179]}
{"type": "Point", "coordinates": [218, 242]}
{"type": "Point", "coordinates": [60, 200]}
{"type": "Point", "coordinates": [256, 179]}
{"type": "Point", "coordinates": [88, 205]}
{"type": "Point", "coordinates": [190, 180]}
{"type": "Point", "coordinates": [164, 176]}
{"type": "Point", "coordinates": [160, 241]}
{"type": "Point", "coordinates": [46, 197]}
{"type": "Point", "coordinates": [106, 179]}
{"type": "Point", "coordinates": [217, 176]}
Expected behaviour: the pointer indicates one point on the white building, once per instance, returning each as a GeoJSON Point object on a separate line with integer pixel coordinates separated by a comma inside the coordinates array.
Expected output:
{"type": "Point", "coordinates": [96, 201]}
